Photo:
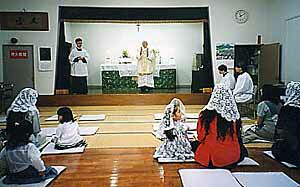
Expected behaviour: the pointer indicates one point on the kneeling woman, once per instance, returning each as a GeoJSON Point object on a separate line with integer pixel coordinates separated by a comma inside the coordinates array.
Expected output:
{"type": "Point", "coordinates": [67, 133]}
{"type": "Point", "coordinates": [219, 142]}
{"type": "Point", "coordinates": [172, 131]}
{"type": "Point", "coordinates": [287, 133]}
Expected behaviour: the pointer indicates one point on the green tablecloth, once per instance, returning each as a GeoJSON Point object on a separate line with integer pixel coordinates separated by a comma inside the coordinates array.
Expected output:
{"type": "Point", "coordinates": [111, 81]}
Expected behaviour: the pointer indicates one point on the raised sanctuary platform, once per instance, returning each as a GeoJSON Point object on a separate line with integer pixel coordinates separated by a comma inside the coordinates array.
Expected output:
{"type": "Point", "coordinates": [122, 99]}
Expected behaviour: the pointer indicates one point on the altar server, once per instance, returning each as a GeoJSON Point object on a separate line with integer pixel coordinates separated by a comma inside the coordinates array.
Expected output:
{"type": "Point", "coordinates": [227, 78]}
{"type": "Point", "coordinates": [244, 85]}
{"type": "Point", "coordinates": [79, 59]}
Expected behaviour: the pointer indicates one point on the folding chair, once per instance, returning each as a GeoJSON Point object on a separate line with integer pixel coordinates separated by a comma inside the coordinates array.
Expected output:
{"type": "Point", "coordinates": [249, 106]}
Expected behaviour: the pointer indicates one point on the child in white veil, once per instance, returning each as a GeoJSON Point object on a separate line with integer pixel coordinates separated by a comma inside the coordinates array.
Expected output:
{"type": "Point", "coordinates": [172, 132]}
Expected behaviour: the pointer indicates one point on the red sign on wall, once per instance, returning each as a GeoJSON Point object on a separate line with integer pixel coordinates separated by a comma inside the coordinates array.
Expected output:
{"type": "Point", "coordinates": [18, 54]}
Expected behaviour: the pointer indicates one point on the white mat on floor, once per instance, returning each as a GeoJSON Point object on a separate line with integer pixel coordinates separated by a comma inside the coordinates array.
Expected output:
{"type": "Point", "coordinates": [245, 119]}
{"type": "Point", "coordinates": [190, 125]}
{"type": "Point", "coordinates": [158, 116]}
{"type": "Point", "coordinates": [247, 127]}
{"type": "Point", "coordinates": [170, 160]}
{"type": "Point", "coordinates": [48, 140]}
{"type": "Point", "coordinates": [260, 141]}
{"type": "Point", "coordinates": [192, 115]}
{"type": "Point", "coordinates": [2, 119]}
{"type": "Point", "coordinates": [99, 117]}
{"type": "Point", "coordinates": [155, 126]}
{"type": "Point", "coordinates": [188, 116]}
{"type": "Point", "coordinates": [84, 131]}
{"type": "Point", "coordinates": [269, 153]}
{"type": "Point", "coordinates": [49, 150]}
{"type": "Point", "coordinates": [207, 178]}
{"type": "Point", "coordinates": [246, 162]}
{"type": "Point", "coordinates": [192, 134]}
{"type": "Point", "coordinates": [59, 170]}
{"type": "Point", "coordinates": [55, 117]}
{"type": "Point", "coordinates": [264, 179]}
{"type": "Point", "coordinates": [52, 118]}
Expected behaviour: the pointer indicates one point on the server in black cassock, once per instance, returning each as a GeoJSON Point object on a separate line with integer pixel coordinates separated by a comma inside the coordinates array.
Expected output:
{"type": "Point", "coordinates": [79, 59]}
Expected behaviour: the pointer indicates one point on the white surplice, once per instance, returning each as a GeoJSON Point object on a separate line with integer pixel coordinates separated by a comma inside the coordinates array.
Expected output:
{"type": "Point", "coordinates": [79, 69]}
{"type": "Point", "coordinates": [228, 80]}
{"type": "Point", "coordinates": [243, 89]}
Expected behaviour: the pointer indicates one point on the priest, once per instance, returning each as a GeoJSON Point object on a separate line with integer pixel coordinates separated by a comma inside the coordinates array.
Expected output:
{"type": "Point", "coordinates": [146, 65]}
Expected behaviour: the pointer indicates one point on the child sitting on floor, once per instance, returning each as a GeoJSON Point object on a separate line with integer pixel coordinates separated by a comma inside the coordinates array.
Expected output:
{"type": "Point", "coordinates": [21, 157]}
{"type": "Point", "coordinates": [173, 133]}
{"type": "Point", "coordinates": [67, 133]}
{"type": "Point", "coordinates": [267, 115]}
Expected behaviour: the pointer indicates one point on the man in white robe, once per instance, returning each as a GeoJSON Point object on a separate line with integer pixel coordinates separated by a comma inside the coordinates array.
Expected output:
{"type": "Point", "coordinates": [227, 78]}
{"type": "Point", "coordinates": [146, 67]}
{"type": "Point", "coordinates": [79, 71]}
{"type": "Point", "coordinates": [243, 90]}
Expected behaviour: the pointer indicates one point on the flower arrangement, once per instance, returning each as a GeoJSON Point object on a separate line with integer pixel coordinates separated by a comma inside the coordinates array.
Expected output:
{"type": "Point", "coordinates": [125, 53]}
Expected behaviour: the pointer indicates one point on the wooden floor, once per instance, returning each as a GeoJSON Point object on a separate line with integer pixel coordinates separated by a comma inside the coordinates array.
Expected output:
{"type": "Point", "coordinates": [136, 167]}
{"type": "Point", "coordinates": [121, 165]}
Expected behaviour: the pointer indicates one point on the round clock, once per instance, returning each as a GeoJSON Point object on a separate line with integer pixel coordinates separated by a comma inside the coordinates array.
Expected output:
{"type": "Point", "coordinates": [241, 16]}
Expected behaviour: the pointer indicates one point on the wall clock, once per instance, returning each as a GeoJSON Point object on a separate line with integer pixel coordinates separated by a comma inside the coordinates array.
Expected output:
{"type": "Point", "coordinates": [241, 16]}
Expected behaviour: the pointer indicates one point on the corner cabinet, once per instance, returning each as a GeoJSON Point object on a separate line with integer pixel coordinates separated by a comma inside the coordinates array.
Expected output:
{"type": "Point", "coordinates": [262, 62]}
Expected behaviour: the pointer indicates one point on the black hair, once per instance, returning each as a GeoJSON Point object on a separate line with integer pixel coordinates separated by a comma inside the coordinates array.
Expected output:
{"type": "Point", "coordinates": [78, 40]}
{"type": "Point", "coordinates": [224, 127]}
{"type": "Point", "coordinates": [66, 113]}
{"type": "Point", "coordinates": [222, 67]}
{"type": "Point", "coordinates": [269, 94]}
{"type": "Point", "coordinates": [18, 129]}
{"type": "Point", "coordinates": [176, 108]}
{"type": "Point", "coordinates": [241, 65]}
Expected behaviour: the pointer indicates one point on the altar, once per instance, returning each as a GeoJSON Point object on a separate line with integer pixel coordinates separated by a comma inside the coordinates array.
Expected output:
{"type": "Point", "coordinates": [123, 77]}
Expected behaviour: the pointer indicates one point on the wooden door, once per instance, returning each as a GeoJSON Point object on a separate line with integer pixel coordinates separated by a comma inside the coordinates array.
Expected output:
{"type": "Point", "coordinates": [269, 65]}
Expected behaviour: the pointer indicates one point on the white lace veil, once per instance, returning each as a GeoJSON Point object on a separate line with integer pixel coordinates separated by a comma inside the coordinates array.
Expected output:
{"type": "Point", "coordinates": [293, 94]}
{"type": "Point", "coordinates": [25, 101]}
{"type": "Point", "coordinates": [167, 120]}
{"type": "Point", "coordinates": [177, 102]}
{"type": "Point", "coordinates": [222, 102]}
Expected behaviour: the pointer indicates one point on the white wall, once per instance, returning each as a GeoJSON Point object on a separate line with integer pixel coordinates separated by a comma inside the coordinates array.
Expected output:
{"type": "Point", "coordinates": [284, 14]}
{"type": "Point", "coordinates": [44, 81]}
{"type": "Point", "coordinates": [222, 25]}
{"type": "Point", "coordinates": [101, 40]}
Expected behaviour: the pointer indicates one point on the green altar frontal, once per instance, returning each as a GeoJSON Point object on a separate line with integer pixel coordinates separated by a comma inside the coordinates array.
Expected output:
{"type": "Point", "coordinates": [112, 81]}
